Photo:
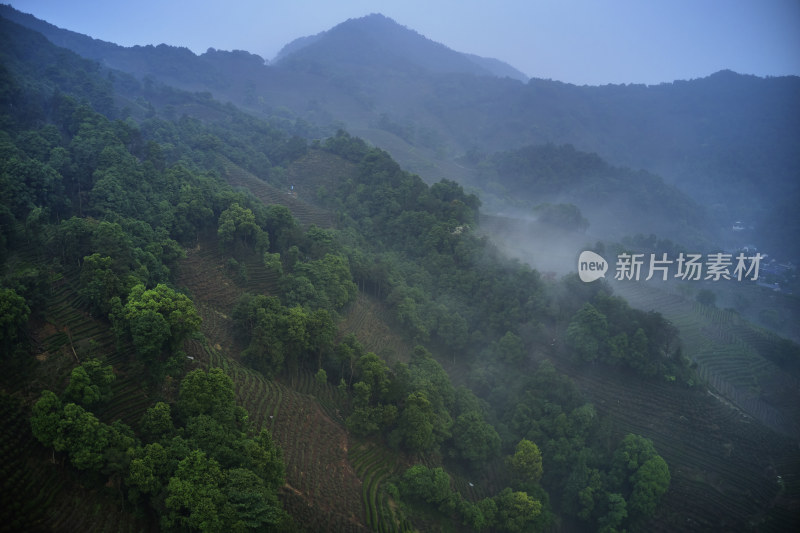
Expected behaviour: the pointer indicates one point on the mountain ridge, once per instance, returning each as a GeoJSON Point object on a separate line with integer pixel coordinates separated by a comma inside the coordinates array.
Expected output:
{"type": "Point", "coordinates": [727, 139]}
{"type": "Point", "coordinates": [379, 34]}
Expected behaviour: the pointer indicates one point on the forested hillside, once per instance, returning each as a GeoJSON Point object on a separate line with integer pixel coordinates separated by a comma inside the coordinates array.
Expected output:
{"type": "Point", "coordinates": [727, 140]}
{"type": "Point", "coordinates": [212, 321]}
{"type": "Point", "coordinates": [613, 202]}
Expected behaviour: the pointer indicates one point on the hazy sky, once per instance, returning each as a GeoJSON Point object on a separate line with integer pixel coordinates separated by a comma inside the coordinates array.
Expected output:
{"type": "Point", "coordinates": [576, 41]}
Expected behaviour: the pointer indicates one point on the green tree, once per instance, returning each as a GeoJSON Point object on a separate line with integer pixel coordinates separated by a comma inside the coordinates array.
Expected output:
{"type": "Point", "coordinates": [526, 463]}
{"type": "Point", "coordinates": [90, 383]}
{"type": "Point", "coordinates": [617, 513]}
{"type": "Point", "coordinates": [431, 485]}
{"type": "Point", "coordinates": [650, 482]}
{"type": "Point", "coordinates": [219, 441]}
{"type": "Point", "coordinates": [416, 424]}
{"type": "Point", "coordinates": [587, 333]}
{"type": "Point", "coordinates": [325, 283]}
{"type": "Point", "coordinates": [195, 500]}
{"type": "Point", "coordinates": [46, 418]}
{"type": "Point", "coordinates": [638, 354]}
{"type": "Point", "coordinates": [209, 393]}
{"type": "Point", "coordinates": [150, 332]}
{"type": "Point", "coordinates": [516, 511]}
{"type": "Point", "coordinates": [91, 445]}
{"type": "Point", "coordinates": [452, 330]}
{"type": "Point", "coordinates": [426, 376]}
{"type": "Point", "coordinates": [474, 439]}
{"type": "Point", "coordinates": [148, 469]}
{"type": "Point", "coordinates": [321, 333]}
{"type": "Point", "coordinates": [272, 262]}
{"type": "Point", "coordinates": [159, 319]}
{"type": "Point", "coordinates": [157, 421]}
{"type": "Point", "coordinates": [638, 472]}
{"type": "Point", "coordinates": [265, 458]}
{"type": "Point", "coordinates": [282, 227]}
{"type": "Point", "coordinates": [99, 283]}
{"type": "Point", "coordinates": [632, 452]}
{"type": "Point", "coordinates": [251, 504]}
{"type": "Point", "coordinates": [510, 348]}
{"type": "Point", "coordinates": [259, 319]}
{"type": "Point", "coordinates": [237, 222]}
{"type": "Point", "coordinates": [14, 313]}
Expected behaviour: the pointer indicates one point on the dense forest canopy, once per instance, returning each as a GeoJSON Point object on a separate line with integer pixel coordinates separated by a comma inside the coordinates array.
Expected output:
{"type": "Point", "coordinates": [119, 194]}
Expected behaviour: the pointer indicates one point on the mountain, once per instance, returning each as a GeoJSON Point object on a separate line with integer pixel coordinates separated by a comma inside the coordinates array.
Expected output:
{"type": "Point", "coordinates": [727, 140]}
{"type": "Point", "coordinates": [378, 42]}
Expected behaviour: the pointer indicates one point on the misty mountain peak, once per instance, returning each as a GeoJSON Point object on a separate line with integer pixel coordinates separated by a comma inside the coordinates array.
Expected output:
{"type": "Point", "coordinates": [376, 41]}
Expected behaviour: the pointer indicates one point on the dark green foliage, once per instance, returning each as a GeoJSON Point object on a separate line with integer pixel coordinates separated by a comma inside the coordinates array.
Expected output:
{"type": "Point", "coordinates": [100, 283]}
{"type": "Point", "coordinates": [238, 223]}
{"type": "Point", "coordinates": [510, 349]}
{"type": "Point", "coordinates": [509, 510]}
{"type": "Point", "coordinates": [46, 418]}
{"type": "Point", "coordinates": [516, 511]}
{"type": "Point", "coordinates": [158, 320]}
{"type": "Point", "coordinates": [157, 422]}
{"type": "Point", "coordinates": [208, 393]}
{"type": "Point", "coordinates": [373, 410]}
{"type": "Point", "coordinates": [431, 485]}
{"type": "Point", "coordinates": [526, 463]}
{"type": "Point", "coordinates": [587, 333]}
{"type": "Point", "coordinates": [475, 440]}
{"type": "Point", "coordinates": [207, 473]}
{"type": "Point", "coordinates": [90, 383]}
{"type": "Point", "coordinates": [251, 503]}
{"type": "Point", "coordinates": [324, 283]}
{"type": "Point", "coordinates": [90, 444]}
{"type": "Point", "coordinates": [14, 314]}
{"type": "Point", "coordinates": [282, 336]}
{"type": "Point", "coordinates": [195, 498]}
{"type": "Point", "coordinates": [607, 329]}
{"type": "Point", "coordinates": [640, 473]}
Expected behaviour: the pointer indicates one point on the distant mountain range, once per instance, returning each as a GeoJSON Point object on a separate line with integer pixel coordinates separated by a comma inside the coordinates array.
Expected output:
{"type": "Point", "coordinates": [730, 141]}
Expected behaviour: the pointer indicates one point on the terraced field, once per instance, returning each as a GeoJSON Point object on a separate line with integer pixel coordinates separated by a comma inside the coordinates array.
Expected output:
{"type": "Point", "coordinates": [304, 417]}
{"type": "Point", "coordinates": [322, 488]}
{"type": "Point", "coordinates": [724, 464]}
{"type": "Point", "coordinates": [374, 465]}
{"type": "Point", "coordinates": [303, 211]}
{"type": "Point", "coordinates": [731, 355]}
{"type": "Point", "coordinates": [367, 319]}
{"type": "Point", "coordinates": [39, 495]}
